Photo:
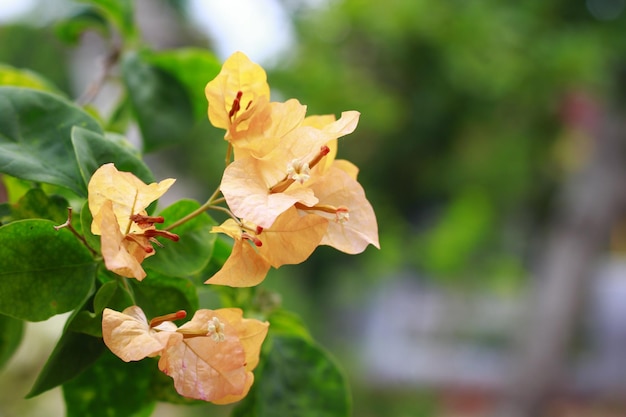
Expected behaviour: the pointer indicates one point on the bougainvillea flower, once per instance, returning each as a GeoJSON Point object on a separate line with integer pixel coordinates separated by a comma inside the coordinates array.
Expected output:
{"type": "Point", "coordinates": [129, 335]}
{"type": "Point", "coordinates": [283, 119]}
{"type": "Point", "coordinates": [244, 267]}
{"type": "Point", "coordinates": [259, 190]}
{"type": "Point", "coordinates": [210, 358]}
{"type": "Point", "coordinates": [352, 221]}
{"type": "Point", "coordinates": [290, 240]}
{"type": "Point", "coordinates": [239, 98]}
{"type": "Point", "coordinates": [117, 201]}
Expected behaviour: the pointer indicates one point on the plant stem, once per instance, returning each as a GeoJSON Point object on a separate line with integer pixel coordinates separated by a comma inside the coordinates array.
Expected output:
{"type": "Point", "coordinates": [210, 204]}
{"type": "Point", "coordinates": [68, 225]}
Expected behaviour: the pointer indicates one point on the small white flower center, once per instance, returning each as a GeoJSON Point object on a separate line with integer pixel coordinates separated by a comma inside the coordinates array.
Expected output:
{"type": "Point", "coordinates": [298, 171]}
{"type": "Point", "coordinates": [342, 215]}
{"type": "Point", "coordinates": [216, 329]}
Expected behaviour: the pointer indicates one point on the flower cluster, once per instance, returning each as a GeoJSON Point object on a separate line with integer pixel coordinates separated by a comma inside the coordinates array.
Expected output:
{"type": "Point", "coordinates": [286, 194]}
{"type": "Point", "coordinates": [210, 358]}
{"type": "Point", "coordinates": [285, 188]}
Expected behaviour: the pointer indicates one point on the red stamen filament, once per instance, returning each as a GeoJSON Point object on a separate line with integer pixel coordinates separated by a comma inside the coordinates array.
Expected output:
{"type": "Point", "coordinates": [236, 105]}
{"type": "Point", "coordinates": [323, 207]}
{"type": "Point", "coordinates": [180, 314]}
{"type": "Point", "coordinates": [257, 242]}
{"type": "Point", "coordinates": [135, 238]}
{"type": "Point", "coordinates": [162, 233]}
{"type": "Point", "coordinates": [140, 218]}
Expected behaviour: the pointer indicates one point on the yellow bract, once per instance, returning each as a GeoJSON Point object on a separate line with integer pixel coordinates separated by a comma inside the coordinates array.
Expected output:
{"type": "Point", "coordinates": [118, 201]}
{"type": "Point", "coordinates": [239, 97]}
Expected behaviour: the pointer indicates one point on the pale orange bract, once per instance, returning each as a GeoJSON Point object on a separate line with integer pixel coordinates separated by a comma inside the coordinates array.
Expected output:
{"type": "Point", "coordinates": [339, 189]}
{"type": "Point", "coordinates": [291, 240]}
{"type": "Point", "coordinates": [210, 358]}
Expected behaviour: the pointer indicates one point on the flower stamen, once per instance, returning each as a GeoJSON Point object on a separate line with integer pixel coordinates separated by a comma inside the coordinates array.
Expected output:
{"type": "Point", "coordinates": [298, 171]}
{"type": "Point", "coordinates": [216, 330]}
{"type": "Point", "coordinates": [146, 221]}
{"type": "Point", "coordinates": [342, 213]}
{"type": "Point", "coordinates": [180, 314]}
{"type": "Point", "coordinates": [257, 242]}
{"type": "Point", "coordinates": [135, 238]}
{"type": "Point", "coordinates": [236, 106]}
{"type": "Point", "coordinates": [150, 233]}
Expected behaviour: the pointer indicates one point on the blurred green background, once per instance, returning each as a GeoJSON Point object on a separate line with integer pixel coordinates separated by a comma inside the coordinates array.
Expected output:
{"type": "Point", "coordinates": [480, 121]}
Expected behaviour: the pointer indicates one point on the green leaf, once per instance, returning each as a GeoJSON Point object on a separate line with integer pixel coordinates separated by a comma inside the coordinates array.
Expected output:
{"type": "Point", "coordinates": [25, 78]}
{"type": "Point", "coordinates": [193, 251]}
{"type": "Point", "coordinates": [16, 188]}
{"type": "Point", "coordinates": [297, 379]}
{"type": "Point", "coordinates": [88, 18]}
{"type": "Point", "coordinates": [111, 387]}
{"type": "Point", "coordinates": [35, 139]}
{"type": "Point", "coordinates": [158, 294]}
{"type": "Point", "coordinates": [85, 227]}
{"type": "Point", "coordinates": [120, 13]}
{"type": "Point", "coordinates": [121, 117]}
{"type": "Point", "coordinates": [43, 272]}
{"type": "Point", "coordinates": [74, 353]}
{"type": "Point", "coordinates": [111, 295]}
{"type": "Point", "coordinates": [35, 204]}
{"type": "Point", "coordinates": [95, 149]}
{"type": "Point", "coordinates": [11, 331]}
{"type": "Point", "coordinates": [287, 323]}
{"type": "Point", "coordinates": [194, 68]}
{"type": "Point", "coordinates": [161, 103]}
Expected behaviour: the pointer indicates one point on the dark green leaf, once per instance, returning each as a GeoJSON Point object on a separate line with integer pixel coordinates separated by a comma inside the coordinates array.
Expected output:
{"type": "Point", "coordinates": [5, 213]}
{"type": "Point", "coordinates": [11, 331]}
{"type": "Point", "coordinates": [297, 379]}
{"type": "Point", "coordinates": [121, 117]}
{"type": "Point", "coordinates": [193, 251]}
{"type": "Point", "coordinates": [94, 150]}
{"type": "Point", "coordinates": [35, 204]}
{"type": "Point", "coordinates": [35, 139]}
{"type": "Point", "coordinates": [70, 29]}
{"type": "Point", "coordinates": [74, 353]}
{"type": "Point", "coordinates": [120, 13]}
{"type": "Point", "coordinates": [43, 272]}
{"type": "Point", "coordinates": [158, 295]}
{"type": "Point", "coordinates": [193, 67]}
{"type": "Point", "coordinates": [287, 323]}
{"type": "Point", "coordinates": [161, 103]}
{"type": "Point", "coordinates": [111, 387]}
{"type": "Point", "coordinates": [85, 227]}
{"type": "Point", "coordinates": [111, 295]}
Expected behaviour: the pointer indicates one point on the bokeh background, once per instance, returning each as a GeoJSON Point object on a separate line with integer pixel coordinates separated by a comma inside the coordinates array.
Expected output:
{"type": "Point", "coordinates": [492, 147]}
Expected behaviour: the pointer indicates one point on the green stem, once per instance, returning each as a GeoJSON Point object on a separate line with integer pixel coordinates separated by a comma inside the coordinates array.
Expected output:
{"type": "Point", "coordinates": [229, 151]}
{"type": "Point", "coordinates": [210, 204]}
{"type": "Point", "coordinates": [128, 289]}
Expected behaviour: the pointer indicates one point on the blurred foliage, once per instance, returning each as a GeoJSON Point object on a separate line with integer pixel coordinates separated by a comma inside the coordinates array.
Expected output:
{"type": "Point", "coordinates": [462, 107]}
